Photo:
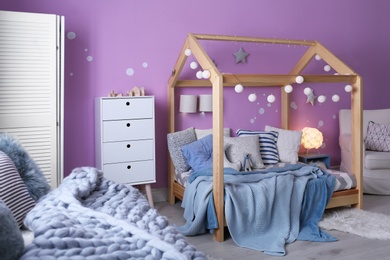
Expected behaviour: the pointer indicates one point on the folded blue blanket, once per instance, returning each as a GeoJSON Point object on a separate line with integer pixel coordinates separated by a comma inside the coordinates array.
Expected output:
{"type": "Point", "coordinates": [264, 210]}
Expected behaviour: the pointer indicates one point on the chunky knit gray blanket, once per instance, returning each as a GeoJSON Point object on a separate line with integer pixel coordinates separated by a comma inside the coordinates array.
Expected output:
{"type": "Point", "coordinates": [90, 217]}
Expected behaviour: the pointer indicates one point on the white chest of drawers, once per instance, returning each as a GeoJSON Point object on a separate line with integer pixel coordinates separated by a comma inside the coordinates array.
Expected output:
{"type": "Point", "coordinates": [125, 139]}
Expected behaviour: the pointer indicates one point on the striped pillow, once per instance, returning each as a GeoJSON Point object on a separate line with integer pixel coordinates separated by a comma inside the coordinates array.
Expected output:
{"type": "Point", "coordinates": [268, 147]}
{"type": "Point", "coordinates": [13, 191]}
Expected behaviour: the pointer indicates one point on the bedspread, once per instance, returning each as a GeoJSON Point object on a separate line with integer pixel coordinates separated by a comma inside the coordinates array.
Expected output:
{"type": "Point", "coordinates": [264, 210]}
{"type": "Point", "coordinates": [90, 217]}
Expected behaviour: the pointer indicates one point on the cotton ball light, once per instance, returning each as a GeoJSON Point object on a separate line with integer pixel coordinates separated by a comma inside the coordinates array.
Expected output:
{"type": "Point", "coordinates": [206, 74]}
{"type": "Point", "coordinates": [288, 88]}
{"type": "Point", "coordinates": [318, 57]}
{"type": "Point", "coordinates": [199, 75]}
{"type": "Point", "coordinates": [307, 91]}
{"type": "Point", "coordinates": [193, 65]}
{"type": "Point", "coordinates": [252, 97]}
{"type": "Point", "coordinates": [348, 88]}
{"type": "Point", "coordinates": [327, 68]}
{"type": "Point", "coordinates": [299, 79]}
{"type": "Point", "coordinates": [271, 98]}
{"type": "Point", "coordinates": [188, 52]}
{"type": "Point", "coordinates": [335, 98]}
{"type": "Point", "coordinates": [321, 98]}
{"type": "Point", "coordinates": [239, 88]}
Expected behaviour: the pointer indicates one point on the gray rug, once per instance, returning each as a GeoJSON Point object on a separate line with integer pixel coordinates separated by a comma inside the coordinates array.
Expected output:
{"type": "Point", "coordinates": [358, 222]}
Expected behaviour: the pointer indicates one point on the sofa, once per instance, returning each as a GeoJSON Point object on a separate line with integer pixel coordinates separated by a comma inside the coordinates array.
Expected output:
{"type": "Point", "coordinates": [376, 149]}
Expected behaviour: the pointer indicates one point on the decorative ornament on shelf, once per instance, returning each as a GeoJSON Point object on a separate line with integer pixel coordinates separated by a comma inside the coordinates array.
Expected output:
{"type": "Point", "coordinates": [239, 88]}
{"type": "Point", "coordinates": [113, 94]}
{"type": "Point", "coordinates": [311, 138]}
{"type": "Point", "coordinates": [136, 92]}
{"type": "Point", "coordinates": [310, 95]}
{"type": "Point", "coordinates": [241, 55]}
{"type": "Point", "coordinates": [252, 97]}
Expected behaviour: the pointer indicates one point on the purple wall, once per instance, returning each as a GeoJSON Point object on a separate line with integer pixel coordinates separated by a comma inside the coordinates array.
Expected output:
{"type": "Point", "coordinates": [146, 36]}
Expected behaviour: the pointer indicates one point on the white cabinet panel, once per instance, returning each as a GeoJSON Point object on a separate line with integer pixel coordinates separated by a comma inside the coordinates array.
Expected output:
{"type": "Point", "coordinates": [131, 173]}
{"type": "Point", "coordinates": [128, 130]}
{"type": "Point", "coordinates": [128, 151]}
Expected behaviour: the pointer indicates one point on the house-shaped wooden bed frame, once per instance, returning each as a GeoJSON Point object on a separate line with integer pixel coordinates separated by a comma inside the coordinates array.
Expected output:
{"type": "Point", "coordinates": [218, 81]}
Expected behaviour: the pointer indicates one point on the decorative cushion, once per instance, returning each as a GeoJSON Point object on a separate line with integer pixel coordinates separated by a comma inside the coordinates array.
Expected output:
{"type": "Point", "coordinates": [176, 141]}
{"type": "Point", "coordinates": [200, 133]}
{"type": "Point", "coordinates": [267, 142]}
{"type": "Point", "coordinates": [236, 149]}
{"type": "Point", "coordinates": [378, 137]}
{"type": "Point", "coordinates": [199, 154]}
{"type": "Point", "coordinates": [31, 174]}
{"type": "Point", "coordinates": [288, 143]}
{"type": "Point", "coordinates": [11, 240]}
{"type": "Point", "coordinates": [13, 191]}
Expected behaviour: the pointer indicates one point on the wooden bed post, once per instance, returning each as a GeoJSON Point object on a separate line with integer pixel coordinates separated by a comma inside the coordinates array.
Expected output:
{"type": "Point", "coordinates": [357, 136]}
{"type": "Point", "coordinates": [218, 156]}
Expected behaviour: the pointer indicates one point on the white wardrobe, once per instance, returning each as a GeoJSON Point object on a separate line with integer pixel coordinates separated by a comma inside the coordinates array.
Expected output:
{"type": "Point", "coordinates": [31, 86]}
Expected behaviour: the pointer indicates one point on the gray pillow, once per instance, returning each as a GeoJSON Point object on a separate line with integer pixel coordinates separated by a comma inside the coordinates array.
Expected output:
{"type": "Point", "coordinates": [236, 149]}
{"type": "Point", "coordinates": [176, 141]}
{"type": "Point", "coordinates": [11, 240]}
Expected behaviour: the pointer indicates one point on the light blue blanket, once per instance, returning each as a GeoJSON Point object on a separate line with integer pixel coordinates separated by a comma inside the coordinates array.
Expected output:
{"type": "Point", "coordinates": [263, 210]}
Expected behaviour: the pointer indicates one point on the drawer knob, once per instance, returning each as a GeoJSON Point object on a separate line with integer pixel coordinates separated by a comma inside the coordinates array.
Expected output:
{"type": "Point", "coordinates": [128, 145]}
{"type": "Point", "coordinates": [128, 167]}
{"type": "Point", "coordinates": [128, 124]}
{"type": "Point", "coordinates": [127, 103]}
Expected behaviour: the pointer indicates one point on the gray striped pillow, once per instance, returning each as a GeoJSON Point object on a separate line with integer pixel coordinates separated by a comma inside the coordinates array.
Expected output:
{"type": "Point", "coordinates": [13, 191]}
{"type": "Point", "coordinates": [268, 144]}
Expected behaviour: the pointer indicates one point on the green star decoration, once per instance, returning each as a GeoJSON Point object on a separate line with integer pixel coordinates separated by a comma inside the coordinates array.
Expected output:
{"type": "Point", "coordinates": [241, 55]}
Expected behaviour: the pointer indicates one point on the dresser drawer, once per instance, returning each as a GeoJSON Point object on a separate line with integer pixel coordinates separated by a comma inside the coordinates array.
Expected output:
{"type": "Point", "coordinates": [131, 172]}
{"type": "Point", "coordinates": [128, 130]}
{"type": "Point", "coordinates": [128, 151]}
{"type": "Point", "coordinates": [124, 108]}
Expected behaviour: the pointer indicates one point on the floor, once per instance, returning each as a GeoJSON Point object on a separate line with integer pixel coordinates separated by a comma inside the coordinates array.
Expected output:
{"type": "Point", "coordinates": [347, 247]}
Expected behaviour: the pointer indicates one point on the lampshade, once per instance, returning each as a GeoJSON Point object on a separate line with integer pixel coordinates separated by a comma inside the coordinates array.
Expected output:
{"type": "Point", "coordinates": [311, 138]}
{"type": "Point", "coordinates": [188, 103]}
{"type": "Point", "coordinates": [205, 103]}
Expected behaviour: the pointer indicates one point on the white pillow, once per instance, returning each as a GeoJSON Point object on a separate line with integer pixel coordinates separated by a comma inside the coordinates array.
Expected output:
{"type": "Point", "coordinates": [200, 133]}
{"type": "Point", "coordinates": [288, 143]}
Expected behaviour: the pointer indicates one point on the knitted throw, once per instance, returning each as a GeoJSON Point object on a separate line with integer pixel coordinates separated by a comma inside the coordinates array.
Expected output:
{"type": "Point", "coordinates": [90, 217]}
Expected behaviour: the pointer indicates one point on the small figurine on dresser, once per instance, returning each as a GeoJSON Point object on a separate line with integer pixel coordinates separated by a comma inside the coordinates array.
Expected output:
{"type": "Point", "coordinates": [136, 92]}
{"type": "Point", "coordinates": [113, 94]}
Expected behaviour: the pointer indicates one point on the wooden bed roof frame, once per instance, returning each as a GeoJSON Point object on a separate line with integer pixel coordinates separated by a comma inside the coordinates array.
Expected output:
{"type": "Point", "coordinates": [218, 81]}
